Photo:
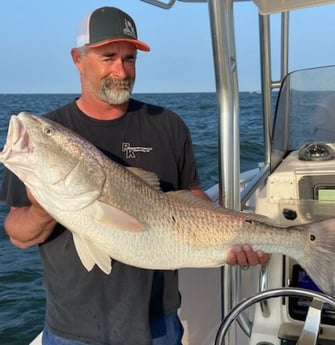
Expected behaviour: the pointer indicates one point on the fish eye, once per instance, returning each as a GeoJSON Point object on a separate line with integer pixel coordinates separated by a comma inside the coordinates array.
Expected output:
{"type": "Point", "coordinates": [49, 131]}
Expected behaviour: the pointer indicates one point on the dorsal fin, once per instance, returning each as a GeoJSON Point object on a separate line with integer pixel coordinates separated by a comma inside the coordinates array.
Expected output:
{"type": "Point", "coordinates": [190, 198]}
{"type": "Point", "coordinates": [148, 177]}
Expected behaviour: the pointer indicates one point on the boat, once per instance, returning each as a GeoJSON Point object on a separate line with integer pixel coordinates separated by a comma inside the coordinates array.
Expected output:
{"type": "Point", "coordinates": [295, 184]}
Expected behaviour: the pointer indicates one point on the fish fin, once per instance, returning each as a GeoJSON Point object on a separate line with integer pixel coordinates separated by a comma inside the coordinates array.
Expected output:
{"type": "Point", "coordinates": [319, 254]}
{"type": "Point", "coordinates": [186, 196]}
{"type": "Point", "coordinates": [113, 217]}
{"type": "Point", "coordinates": [148, 177]}
{"type": "Point", "coordinates": [91, 255]}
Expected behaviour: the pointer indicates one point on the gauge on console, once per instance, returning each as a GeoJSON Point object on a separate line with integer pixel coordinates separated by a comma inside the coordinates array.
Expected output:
{"type": "Point", "coordinates": [316, 152]}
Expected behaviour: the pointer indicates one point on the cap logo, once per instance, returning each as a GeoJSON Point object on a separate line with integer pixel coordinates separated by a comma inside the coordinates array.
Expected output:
{"type": "Point", "coordinates": [129, 28]}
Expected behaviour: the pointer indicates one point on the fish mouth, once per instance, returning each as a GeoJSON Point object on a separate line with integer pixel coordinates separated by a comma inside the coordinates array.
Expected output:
{"type": "Point", "coordinates": [17, 141]}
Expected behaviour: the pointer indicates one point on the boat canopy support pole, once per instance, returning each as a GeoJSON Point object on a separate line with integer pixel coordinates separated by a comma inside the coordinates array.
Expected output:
{"type": "Point", "coordinates": [161, 4]}
{"type": "Point", "coordinates": [221, 16]}
{"type": "Point", "coordinates": [268, 84]}
{"type": "Point", "coordinates": [223, 42]}
{"type": "Point", "coordinates": [265, 60]}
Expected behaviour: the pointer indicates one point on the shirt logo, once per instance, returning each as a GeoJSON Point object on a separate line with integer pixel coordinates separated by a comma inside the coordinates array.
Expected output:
{"type": "Point", "coordinates": [132, 150]}
{"type": "Point", "coordinates": [129, 28]}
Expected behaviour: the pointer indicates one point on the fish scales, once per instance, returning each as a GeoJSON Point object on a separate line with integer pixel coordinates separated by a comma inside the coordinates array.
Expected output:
{"type": "Point", "coordinates": [120, 213]}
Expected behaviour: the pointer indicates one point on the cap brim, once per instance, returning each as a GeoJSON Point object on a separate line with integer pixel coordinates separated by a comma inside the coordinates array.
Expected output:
{"type": "Point", "coordinates": [138, 44]}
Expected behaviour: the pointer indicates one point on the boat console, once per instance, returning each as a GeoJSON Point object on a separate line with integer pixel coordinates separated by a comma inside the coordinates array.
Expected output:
{"type": "Point", "coordinates": [299, 189]}
{"type": "Point", "coordinates": [302, 187]}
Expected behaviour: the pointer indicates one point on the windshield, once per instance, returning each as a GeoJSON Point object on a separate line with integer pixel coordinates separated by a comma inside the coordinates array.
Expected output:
{"type": "Point", "coordinates": [305, 111]}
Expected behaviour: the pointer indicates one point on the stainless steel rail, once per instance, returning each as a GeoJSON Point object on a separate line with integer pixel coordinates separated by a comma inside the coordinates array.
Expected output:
{"type": "Point", "coordinates": [224, 55]}
{"type": "Point", "coordinates": [161, 4]}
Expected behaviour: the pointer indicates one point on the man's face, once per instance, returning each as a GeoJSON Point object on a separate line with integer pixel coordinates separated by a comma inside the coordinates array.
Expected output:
{"type": "Point", "coordinates": [108, 72]}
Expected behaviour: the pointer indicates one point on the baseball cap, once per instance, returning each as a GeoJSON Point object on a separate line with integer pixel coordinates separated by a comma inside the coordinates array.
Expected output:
{"type": "Point", "coordinates": [106, 25]}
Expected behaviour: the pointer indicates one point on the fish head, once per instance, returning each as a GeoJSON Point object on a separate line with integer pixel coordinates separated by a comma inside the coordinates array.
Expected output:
{"type": "Point", "coordinates": [52, 160]}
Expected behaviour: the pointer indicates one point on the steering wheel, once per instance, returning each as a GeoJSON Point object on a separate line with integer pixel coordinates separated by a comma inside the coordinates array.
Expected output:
{"type": "Point", "coordinates": [312, 322]}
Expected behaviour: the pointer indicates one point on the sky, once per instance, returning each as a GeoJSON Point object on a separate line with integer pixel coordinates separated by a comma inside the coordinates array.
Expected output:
{"type": "Point", "coordinates": [37, 36]}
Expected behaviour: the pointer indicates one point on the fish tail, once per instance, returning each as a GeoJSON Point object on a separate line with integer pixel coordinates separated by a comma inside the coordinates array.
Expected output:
{"type": "Point", "coordinates": [319, 254]}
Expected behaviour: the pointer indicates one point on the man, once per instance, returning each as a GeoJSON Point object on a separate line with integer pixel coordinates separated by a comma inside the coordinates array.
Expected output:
{"type": "Point", "coordinates": [131, 305]}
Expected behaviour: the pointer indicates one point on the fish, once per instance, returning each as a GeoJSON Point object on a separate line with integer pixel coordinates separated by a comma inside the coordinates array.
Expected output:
{"type": "Point", "coordinates": [120, 213]}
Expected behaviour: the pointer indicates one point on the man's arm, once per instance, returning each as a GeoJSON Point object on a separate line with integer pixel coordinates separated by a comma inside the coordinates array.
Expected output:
{"type": "Point", "coordinates": [29, 225]}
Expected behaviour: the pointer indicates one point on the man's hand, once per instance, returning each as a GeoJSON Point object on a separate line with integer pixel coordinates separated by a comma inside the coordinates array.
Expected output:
{"type": "Point", "coordinates": [245, 256]}
{"type": "Point", "coordinates": [29, 225]}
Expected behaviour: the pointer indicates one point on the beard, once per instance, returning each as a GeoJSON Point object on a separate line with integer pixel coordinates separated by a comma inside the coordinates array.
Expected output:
{"type": "Point", "coordinates": [115, 91]}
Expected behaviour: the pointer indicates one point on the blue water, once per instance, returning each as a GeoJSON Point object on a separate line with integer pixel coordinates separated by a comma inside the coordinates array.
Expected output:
{"type": "Point", "coordinates": [21, 292]}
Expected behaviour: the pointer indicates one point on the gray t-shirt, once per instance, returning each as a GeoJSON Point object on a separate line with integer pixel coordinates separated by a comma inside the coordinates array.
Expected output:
{"type": "Point", "coordinates": [113, 309]}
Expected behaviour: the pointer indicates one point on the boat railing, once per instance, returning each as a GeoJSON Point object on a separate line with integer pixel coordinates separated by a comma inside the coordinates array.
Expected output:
{"type": "Point", "coordinates": [249, 186]}
{"type": "Point", "coordinates": [250, 180]}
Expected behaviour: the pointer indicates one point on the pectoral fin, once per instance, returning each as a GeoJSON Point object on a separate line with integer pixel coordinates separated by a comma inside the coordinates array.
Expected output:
{"type": "Point", "coordinates": [113, 217]}
{"type": "Point", "coordinates": [91, 255]}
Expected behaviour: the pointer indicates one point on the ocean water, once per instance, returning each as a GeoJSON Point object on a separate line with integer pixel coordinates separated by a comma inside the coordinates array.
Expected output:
{"type": "Point", "coordinates": [21, 291]}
